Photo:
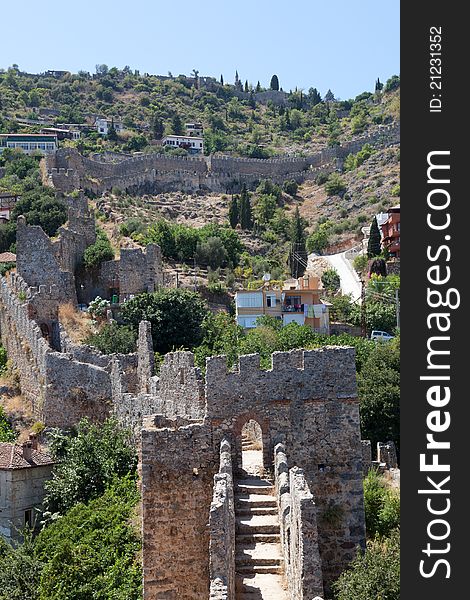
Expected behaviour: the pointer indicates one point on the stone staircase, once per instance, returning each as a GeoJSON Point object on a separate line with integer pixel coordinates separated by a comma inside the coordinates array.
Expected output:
{"type": "Point", "coordinates": [258, 557]}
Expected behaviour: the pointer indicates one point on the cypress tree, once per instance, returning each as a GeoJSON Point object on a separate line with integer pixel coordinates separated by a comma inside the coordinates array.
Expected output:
{"type": "Point", "coordinates": [246, 86]}
{"type": "Point", "coordinates": [246, 220]}
{"type": "Point", "coordinates": [258, 87]}
{"type": "Point", "coordinates": [177, 125]}
{"type": "Point", "coordinates": [274, 85]}
{"type": "Point", "coordinates": [373, 246]}
{"type": "Point", "coordinates": [233, 212]}
{"type": "Point", "coordinates": [221, 80]}
{"type": "Point", "coordinates": [157, 127]}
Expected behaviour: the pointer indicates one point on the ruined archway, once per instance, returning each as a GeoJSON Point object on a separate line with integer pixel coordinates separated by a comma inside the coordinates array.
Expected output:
{"type": "Point", "coordinates": [252, 461]}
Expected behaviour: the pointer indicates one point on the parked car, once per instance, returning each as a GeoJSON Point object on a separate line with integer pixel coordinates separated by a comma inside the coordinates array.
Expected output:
{"type": "Point", "coordinates": [381, 336]}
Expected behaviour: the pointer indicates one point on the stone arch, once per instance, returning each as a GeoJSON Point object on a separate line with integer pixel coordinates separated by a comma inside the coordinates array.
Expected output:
{"type": "Point", "coordinates": [263, 422]}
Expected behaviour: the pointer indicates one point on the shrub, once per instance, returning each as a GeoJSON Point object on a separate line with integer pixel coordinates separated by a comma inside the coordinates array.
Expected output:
{"type": "Point", "coordinates": [114, 339]}
{"type": "Point", "coordinates": [98, 252]}
{"type": "Point", "coordinates": [290, 187]}
{"type": "Point", "coordinates": [176, 316]}
{"type": "Point", "coordinates": [360, 263]}
{"type": "Point", "coordinates": [90, 458]}
{"type": "Point", "coordinates": [373, 575]}
{"type": "Point", "coordinates": [7, 433]}
{"type": "Point", "coordinates": [335, 185]}
{"type": "Point", "coordinates": [92, 551]}
{"type": "Point", "coordinates": [381, 504]}
{"type": "Point", "coordinates": [330, 280]}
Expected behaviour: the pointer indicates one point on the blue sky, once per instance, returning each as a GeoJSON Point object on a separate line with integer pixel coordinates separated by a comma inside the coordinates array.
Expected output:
{"type": "Point", "coordinates": [341, 44]}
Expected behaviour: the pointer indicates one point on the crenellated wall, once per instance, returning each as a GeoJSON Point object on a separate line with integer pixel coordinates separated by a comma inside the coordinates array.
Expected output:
{"type": "Point", "coordinates": [151, 173]}
{"type": "Point", "coordinates": [307, 402]}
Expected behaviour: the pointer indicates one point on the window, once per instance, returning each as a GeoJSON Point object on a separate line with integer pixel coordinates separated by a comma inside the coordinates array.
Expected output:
{"type": "Point", "coordinates": [250, 300]}
{"type": "Point", "coordinates": [28, 518]}
{"type": "Point", "coordinates": [270, 300]}
{"type": "Point", "coordinates": [248, 322]}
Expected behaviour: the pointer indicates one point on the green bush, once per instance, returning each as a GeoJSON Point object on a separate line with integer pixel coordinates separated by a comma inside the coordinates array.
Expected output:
{"type": "Point", "coordinates": [93, 550]}
{"type": "Point", "coordinates": [290, 187]}
{"type": "Point", "coordinates": [7, 433]}
{"type": "Point", "coordinates": [374, 575]}
{"type": "Point", "coordinates": [98, 252]}
{"type": "Point", "coordinates": [381, 504]}
{"type": "Point", "coordinates": [114, 339]}
{"type": "Point", "coordinates": [176, 316]}
{"type": "Point", "coordinates": [335, 185]}
{"type": "Point", "coordinates": [90, 458]}
{"type": "Point", "coordinates": [330, 280]}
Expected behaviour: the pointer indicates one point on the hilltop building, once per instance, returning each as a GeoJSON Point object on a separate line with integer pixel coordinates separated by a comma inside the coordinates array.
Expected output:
{"type": "Point", "coordinates": [194, 145]}
{"type": "Point", "coordinates": [391, 232]}
{"type": "Point", "coordinates": [298, 301]}
{"type": "Point", "coordinates": [103, 125]}
{"type": "Point", "coordinates": [29, 142]}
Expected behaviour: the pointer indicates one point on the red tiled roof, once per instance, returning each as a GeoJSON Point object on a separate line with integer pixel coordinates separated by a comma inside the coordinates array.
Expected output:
{"type": "Point", "coordinates": [11, 457]}
{"type": "Point", "coordinates": [6, 257]}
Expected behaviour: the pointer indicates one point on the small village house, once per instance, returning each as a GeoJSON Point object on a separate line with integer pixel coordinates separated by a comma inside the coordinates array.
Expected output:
{"type": "Point", "coordinates": [391, 232]}
{"type": "Point", "coordinates": [23, 471]}
{"type": "Point", "coordinates": [298, 301]}
{"type": "Point", "coordinates": [194, 145]}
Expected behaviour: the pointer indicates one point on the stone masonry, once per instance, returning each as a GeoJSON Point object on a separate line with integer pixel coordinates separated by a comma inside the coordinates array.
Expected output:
{"type": "Point", "coordinates": [307, 402]}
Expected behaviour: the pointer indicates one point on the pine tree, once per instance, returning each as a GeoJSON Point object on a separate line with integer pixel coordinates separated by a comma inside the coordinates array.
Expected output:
{"type": "Point", "coordinates": [258, 87]}
{"type": "Point", "coordinates": [246, 220]}
{"type": "Point", "coordinates": [373, 246]}
{"type": "Point", "coordinates": [246, 86]}
{"type": "Point", "coordinates": [329, 96]}
{"type": "Point", "coordinates": [314, 96]}
{"type": "Point", "coordinates": [378, 85]}
{"type": "Point", "coordinates": [157, 127]}
{"type": "Point", "coordinates": [233, 212]}
{"type": "Point", "coordinates": [274, 85]}
{"type": "Point", "coordinates": [177, 125]}
{"type": "Point", "coordinates": [221, 80]}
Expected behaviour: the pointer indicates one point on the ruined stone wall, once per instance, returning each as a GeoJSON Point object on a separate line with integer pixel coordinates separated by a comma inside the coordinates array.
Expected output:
{"type": "Point", "coordinates": [299, 532]}
{"type": "Point", "coordinates": [140, 271]}
{"type": "Point", "coordinates": [153, 173]}
{"type": "Point", "coordinates": [222, 527]}
{"type": "Point", "coordinates": [178, 464]}
{"type": "Point", "coordinates": [307, 402]}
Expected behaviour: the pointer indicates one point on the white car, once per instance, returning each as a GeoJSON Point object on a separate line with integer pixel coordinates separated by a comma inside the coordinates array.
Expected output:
{"type": "Point", "coordinates": [382, 336]}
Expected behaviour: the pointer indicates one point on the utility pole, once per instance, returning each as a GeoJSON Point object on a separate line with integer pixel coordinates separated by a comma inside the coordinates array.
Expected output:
{"type": "Point", "coordinates": [397, 307]}
{"type": "Point", "coordinates": [363, 310]}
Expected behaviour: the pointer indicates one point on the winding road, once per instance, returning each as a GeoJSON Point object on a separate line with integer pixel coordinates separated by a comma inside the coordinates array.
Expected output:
{"type": "Point", "coordinates": [350, 283]}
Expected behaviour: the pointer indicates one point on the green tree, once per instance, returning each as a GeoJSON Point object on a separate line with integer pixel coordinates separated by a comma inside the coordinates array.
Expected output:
{"type": "Point", "coordinates": [158, 128]}
{"type": "Point", "coordinates": [114, 339]}
{"type": "Point", "coordinates": [177, 125]}
{"type": "Point", "coordinates": [274, 85]}
{"type": "Point", "coordinates": [335, 185]}
{"type": "Point", "coordinates": [89, 458]}
{"type": "Point", "coordinates": [320, 238]}
{"type": "Point", "coordinates": [246, 220]}
{"type": "Point", "coordinates": [98, 252]}
{"type": "Point", "coordinates": [373, 245]}
{"type": "Point", "coordinates": [40, 207]}
{"type": "Point", "coordinates": [233, 212]}
{"type": "Point", "coordinates": [264, 208]}
{"type": "Point", "coordinates": [20, 570]}
{"type": "Point", "coordinates": [291, 187]}
{"type": "Point", "coordinates": [258, 87]}
{"type": "Point", "coordinates": [297, 230]}
{"type": "Point", "coordinates": [221, 80]}
{"type": "Point", "coordinates": [379, 394]}
{"type": "Point", "coordinates": [330, 280]}
{"type": "Point", "coordinates": [378, 85]}
{"type": "Point", "coordinates": [92, 551]}
{"type": "Point", "coordinates": [211, 253]}
{"type": "Point", "coordinates": [374, 575]}
{"type": "Point", "coordinates": [392, 84]}
{"type": "Point", "coordinates": [112, 133]}
{"type": "Point", "coordinates": [7, 433]}
{"type": "Point", "coordinates": [176, 316]}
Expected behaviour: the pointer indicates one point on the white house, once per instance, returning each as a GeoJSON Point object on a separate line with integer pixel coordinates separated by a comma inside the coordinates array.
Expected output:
{"type": "Point", "coordinates": [194, 145]}
{"type": "Point", "coordinates": [29, 142]}
{"type": "Point", "coordinates": [103, 125]}
{"type": "Point", "coordinates": [194, 129]}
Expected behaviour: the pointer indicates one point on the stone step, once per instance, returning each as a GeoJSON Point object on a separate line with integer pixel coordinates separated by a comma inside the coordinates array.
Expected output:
{"type": "Point", "coordinates": [257, 524]}
{"type": "Point", "coordinates": [260, 554]}
{"type": "Point", "coordinates": [254, 486]}
{"type": "Point", "coordinates": [251, 569]}
{"type": "Point", "coordinates": [255, 500]}
{"type": "Point", "coordinates": [260, 587]}
{"type": "Point", "coordinates": [256, 538]}
{"type": "Point", "coordinates": [251, 509]}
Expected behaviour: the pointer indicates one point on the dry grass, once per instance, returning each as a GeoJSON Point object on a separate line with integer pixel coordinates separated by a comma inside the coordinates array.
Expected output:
{"type": "Point", "coordinates": [76, 323]}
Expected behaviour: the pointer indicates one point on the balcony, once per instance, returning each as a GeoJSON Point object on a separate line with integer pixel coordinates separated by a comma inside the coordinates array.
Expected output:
{"type": "Point", "coordinates": [293, 308]}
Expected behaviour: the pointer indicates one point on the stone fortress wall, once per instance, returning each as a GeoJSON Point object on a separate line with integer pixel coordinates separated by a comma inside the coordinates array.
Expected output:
{"type": "Point", "coordinates": [147, 173]}
{"type": "Point", "coordinates": [307, 403]}
{"type": "Point", "coordinates": [63, 381]}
